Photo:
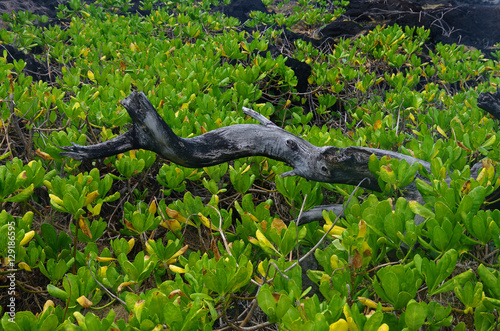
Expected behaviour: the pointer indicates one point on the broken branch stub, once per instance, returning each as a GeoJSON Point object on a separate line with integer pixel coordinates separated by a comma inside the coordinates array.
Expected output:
{"type": "Point", "coordinates": [323, 164]}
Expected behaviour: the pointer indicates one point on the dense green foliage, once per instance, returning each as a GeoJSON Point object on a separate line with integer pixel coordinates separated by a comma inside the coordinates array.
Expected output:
{"type": "Point", "coordinates": [194, 248]}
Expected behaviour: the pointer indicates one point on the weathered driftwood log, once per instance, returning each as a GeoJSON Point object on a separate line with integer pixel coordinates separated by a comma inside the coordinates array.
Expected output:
{"type": "Point", "coordinates": [330, 164]}
{"type": "Point", "coordinates": [323, 164]}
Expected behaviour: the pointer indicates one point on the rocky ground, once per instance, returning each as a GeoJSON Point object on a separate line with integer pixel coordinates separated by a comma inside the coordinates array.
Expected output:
{"type": "Point", "coordinates": [473, 23]}
{"type": "Point", "coordinates": [469, 22]}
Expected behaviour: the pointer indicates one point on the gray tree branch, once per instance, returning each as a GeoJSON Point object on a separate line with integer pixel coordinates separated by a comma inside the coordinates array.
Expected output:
{"type": "Point", "coordinates": [323, 164]}
{"type": "Point", "coordinates": [329, 164]}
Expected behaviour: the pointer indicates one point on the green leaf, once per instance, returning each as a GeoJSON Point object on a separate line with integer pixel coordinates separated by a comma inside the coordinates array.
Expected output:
{"type": "Point", "coordinates": [373, 164]}
{"type": "Point", "coordinates": [57, 292]}
{"type": "Point", "coordinates": [267, 303]}
{"type": "Point", "coordinates": [374, 322]}
{"type": "Point", "coordinates": [284, 303]}
{"type": "Point", "coordinates": [457, 280]}
{"type": "Point", "coordinates": [50, 323]}
{"type": "Point", "coordinates": [415, 315]}
{"type": "Point", "coordinates": [388, 175]}
{"type": "Point", "coordinates": [418, 209]}
{"type": "Point", "coordinates": [390, 283]}
{"type": "Point", "coordinates": [424, 188]}
{"type": "Point", "coordinates": [491, 281]}
{"type": "Point", "coordinates": [23, 195]}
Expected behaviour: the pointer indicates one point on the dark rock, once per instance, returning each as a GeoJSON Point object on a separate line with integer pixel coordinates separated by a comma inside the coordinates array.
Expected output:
{"type": "Point", "coordinates": [449, 21]}
{"type": "Point", "coordinates": [341, 28]}
{"type": "Point", "coordinates": [302, 71]}
{"type": "Point", "coordinates": [33, 67]}
{"type": "Point", "coordinates": [241, 9]}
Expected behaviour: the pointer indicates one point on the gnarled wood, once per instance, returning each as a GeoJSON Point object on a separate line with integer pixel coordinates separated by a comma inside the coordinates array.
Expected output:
{"type": "Point", "coordinates": [324, 164]}
{"type": "Point", "coordinates": [330, 164]}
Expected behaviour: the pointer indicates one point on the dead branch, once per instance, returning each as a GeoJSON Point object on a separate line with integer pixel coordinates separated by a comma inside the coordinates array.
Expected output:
{"type": "Point", "coordinates": [323, 164]}
{"type": "Point", "coordinates": [329, 164]}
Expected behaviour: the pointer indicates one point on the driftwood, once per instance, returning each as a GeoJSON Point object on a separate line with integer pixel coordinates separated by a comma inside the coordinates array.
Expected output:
{"type": "Point", "coordinates": [324, 164]}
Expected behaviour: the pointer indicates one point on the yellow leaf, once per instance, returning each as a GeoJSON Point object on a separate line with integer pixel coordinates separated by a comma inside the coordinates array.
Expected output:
{"type": "Point", "coordinates": [253, 240]}
{"type": "Point", "coordinates": [43, 155]}
{"type": "Point", "coordinates": [367, 302]}
{"type": "Point", "coordinates": [261, 268]}
{"type": "Point", "coordinates": [244, 46]}
{"type": "Point", "coordinates": [176, 269]}
{"type": "Point", "coordinates": [366, 250]}
{"type": "Point", "coordinates": [362, 229]}
{"type": "Point", "coordinates": [27, 237]}
{"type": "Point", "coordinates": [335, 262]}
{"type": "Point", "coordinates": [132, 154]}
{"type": "Point", "coordinates": [336, 231]}
{"type": "Point", "coordinates": [24, 266]}
{"type": "Point", "coordinates": [177, 254]}
{"type": "Point", "coordinates": [105, 259]}
{"type": "Point", "coordinates": [84, 52]}
{"type": "Point", "coordinates": [131, 244]}
{"type": "Point", "coordinates": [84, 227]}
{"type": "Point", "coordinates": [206, 222]}
{"type": "Point", "coordinates": [246, 169]}
{"type": "Point", "coordinates": [265, 165]}
{"type": "Point", "coordinates": [481, 178]}
{"type": "Point", "coordinates": [340, 325]}
{"type": "Point", "coordinates": [258, 280]}
{"type": "Point", "coordinates": [90, 75]}
{"type": "Point", "coordinates": [347, 311]}
{"type": "Point", "coordinates": [175, 214]}
{"type": "Point", "coordinates": [47, 304]}
{"type": "Point", "coordinates": [171, 224]}
{"type": "Point", "coordinates": [372, 304]}
{"type": "Point", "coordinates": [152, 207]}
{"type": "Point", "coordinates": [352, 324]}
{"type": "Point", "coordinates": [133, 47]}
{"type": "Point", "coordinates": [84, 302]}
{"type": "Point", "coordinates": [441, 131]}
{"type": "Point", "coordinates": [466, 187]}
{"type": "Point", "coordinates": [91, 197]}
{"type": "Point", "coordinates": [96, 210]}
{"type": "Point", "coordinates": [252, 217]}
{"type": "Point", "coordinates": [383, 327]}
{"type": "Point", "coordinates": [263, 240]}
{"type": "Point", "coordinates": [103, 270]}
{"type": "Point", "coordinates": [123, 285]}
{"type": "Point", "coordinates": [56, 199]}
{"type": "Point", "coordinates": [278, 224]}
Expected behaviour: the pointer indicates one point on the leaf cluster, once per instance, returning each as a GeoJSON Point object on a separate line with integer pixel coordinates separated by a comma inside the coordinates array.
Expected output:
{"type": "Point", "coordinates": [202, 248]}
